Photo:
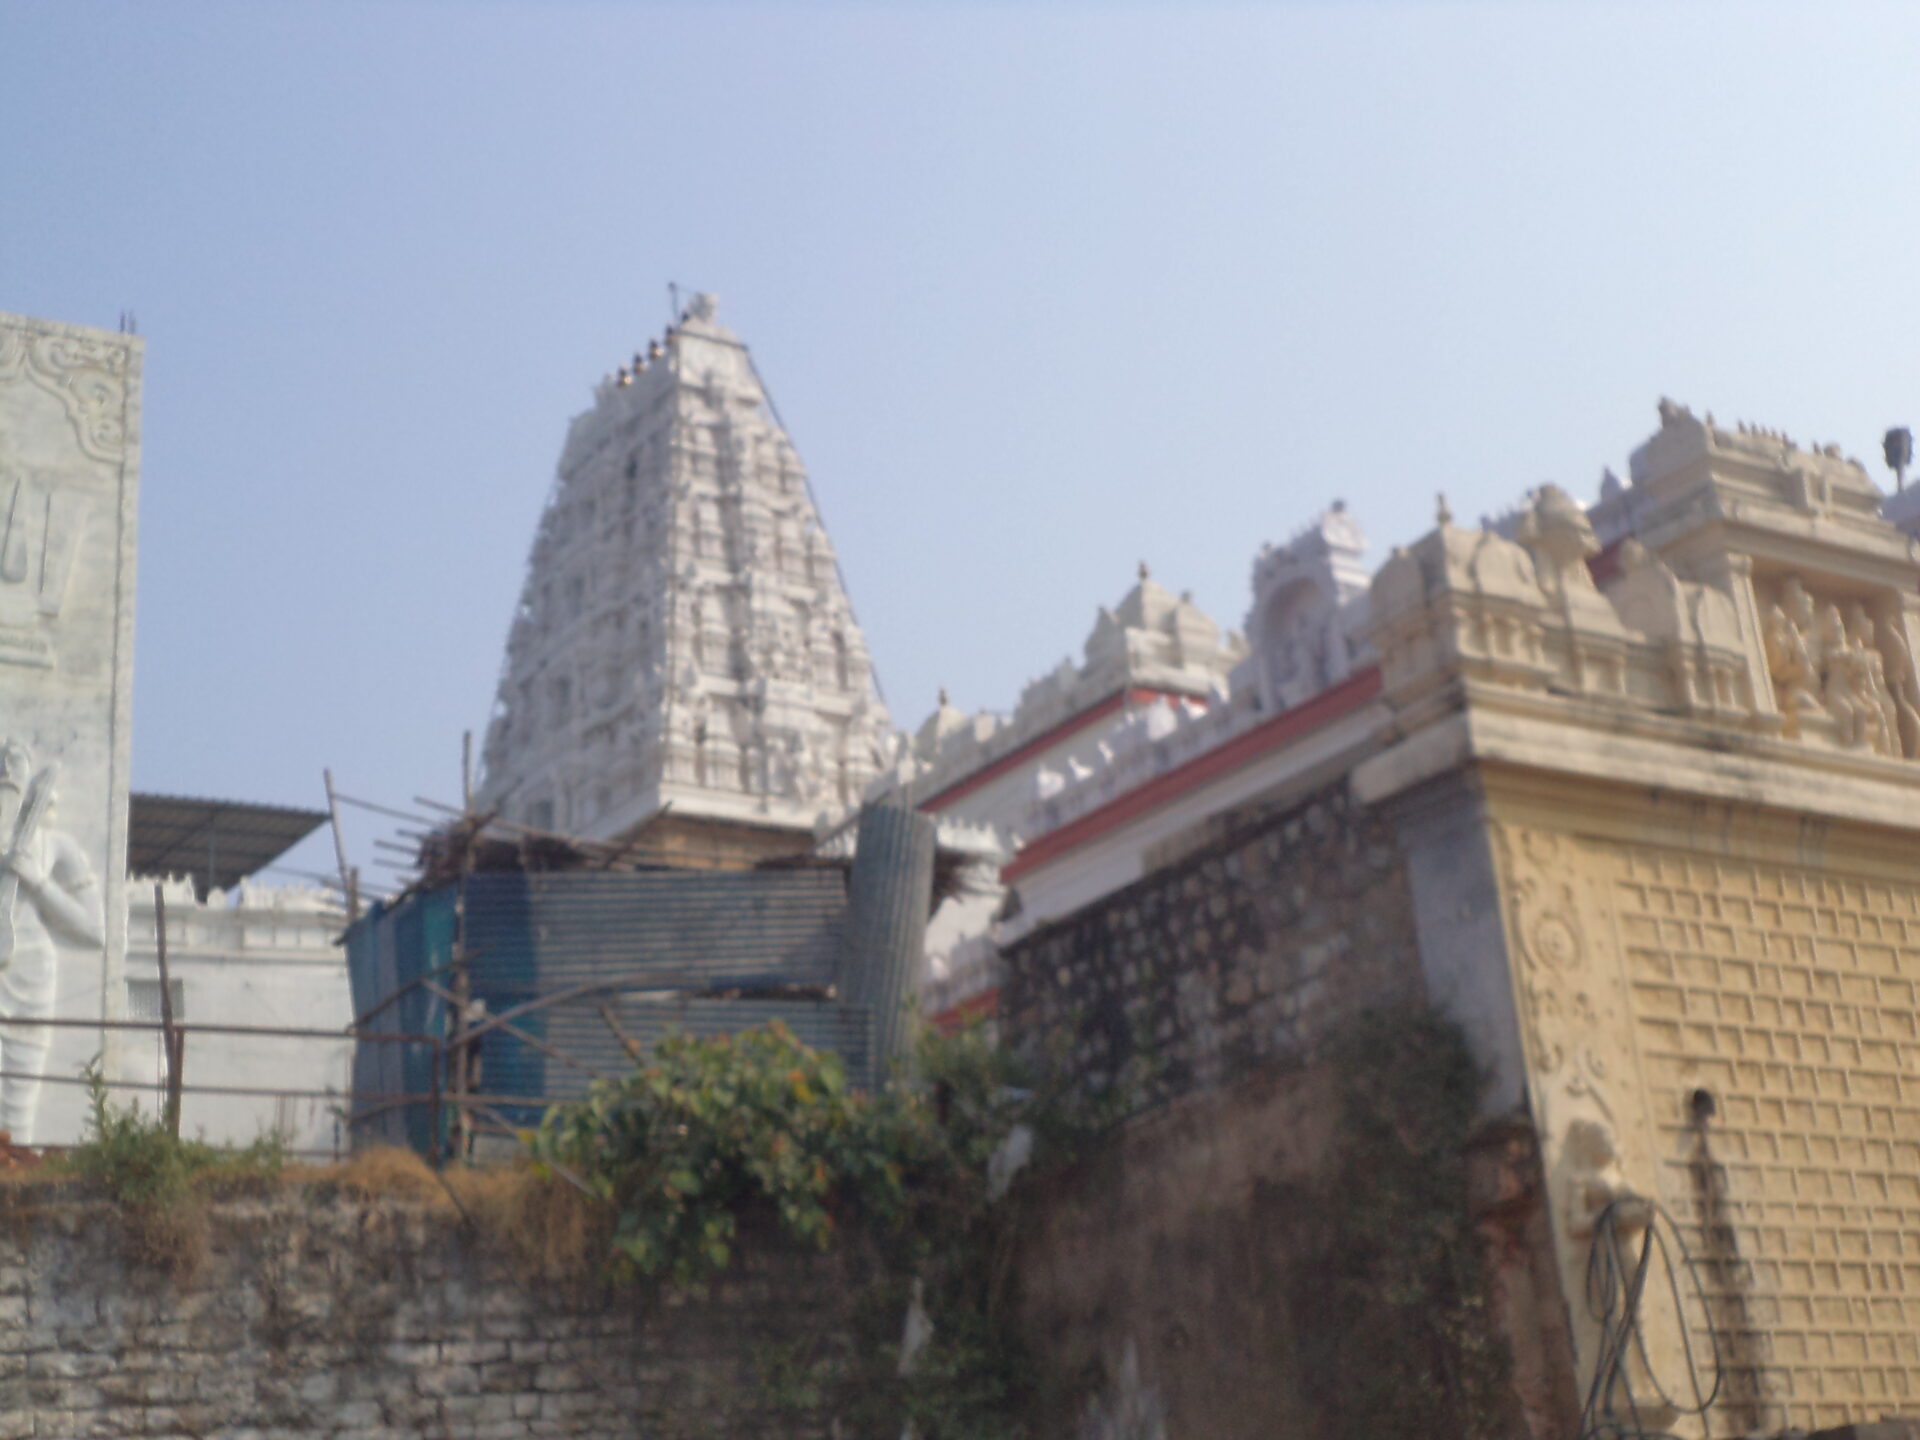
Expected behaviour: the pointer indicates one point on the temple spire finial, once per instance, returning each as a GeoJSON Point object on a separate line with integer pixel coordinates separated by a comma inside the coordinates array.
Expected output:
{"type": "Point", "coordinates": [1442, 515]}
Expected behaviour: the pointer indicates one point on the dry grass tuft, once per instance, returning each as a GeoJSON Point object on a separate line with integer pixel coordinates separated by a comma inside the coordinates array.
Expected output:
{"type": "Point", "coordinates": [548, 1230]}
{"type": "Point", "coordinates": [384, 1172]}
{"type": "Point", "coordinates": [172, 1239]}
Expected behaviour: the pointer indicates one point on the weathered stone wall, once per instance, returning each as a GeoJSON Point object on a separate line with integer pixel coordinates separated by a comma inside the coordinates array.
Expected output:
{"type": "Point", "coordinates": [358, 1320]}
{"type": "Point", "coordinates": [1240, 955]}
{"type": "Point", "coordinates": [1156, 1279]}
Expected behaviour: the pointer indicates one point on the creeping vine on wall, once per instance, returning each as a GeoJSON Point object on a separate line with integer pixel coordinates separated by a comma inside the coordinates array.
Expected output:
{"type": "Point", "coordinates": [1391, 1290]}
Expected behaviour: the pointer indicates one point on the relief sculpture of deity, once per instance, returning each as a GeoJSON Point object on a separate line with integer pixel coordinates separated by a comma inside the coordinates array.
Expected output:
{"type": "Point", "coordinates": [1904, 683]}
{"type": "Point", "coordinates": [1837, 673]}
{"type": "Point", "coordinates": [48, 894]}
{"type": "Point", "coordinates": [1790, 656]}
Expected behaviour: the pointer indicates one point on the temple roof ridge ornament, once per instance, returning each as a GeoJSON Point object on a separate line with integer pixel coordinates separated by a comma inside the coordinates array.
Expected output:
{"type": "Point", "coordinates": [1304, 625]}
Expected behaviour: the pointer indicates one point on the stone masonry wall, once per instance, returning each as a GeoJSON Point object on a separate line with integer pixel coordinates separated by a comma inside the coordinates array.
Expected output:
{"type": "Point", "coordinates": [1155, 1277]}
{"type": "Point", "coordinates": [1242, 954]}
{"type": "Point", "coordinates": [376, 1320]}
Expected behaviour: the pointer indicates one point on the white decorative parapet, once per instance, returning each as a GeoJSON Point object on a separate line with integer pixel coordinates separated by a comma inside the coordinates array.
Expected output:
{"type": "Point", "coordinates": [1306, 633]}
{"type": "Point", "coordinates": [1151, 740]}
{"type": "Point", "coordinates": [1152, 640]}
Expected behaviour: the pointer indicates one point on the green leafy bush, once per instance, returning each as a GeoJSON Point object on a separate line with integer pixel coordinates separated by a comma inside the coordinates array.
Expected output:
{"type": "Point", "coordinates": [134, 1157]}
{"type": "Point", "coordinates": [712, 1131]}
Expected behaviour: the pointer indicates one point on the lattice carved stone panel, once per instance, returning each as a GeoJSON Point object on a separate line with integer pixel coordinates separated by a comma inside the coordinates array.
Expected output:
{"type": "Point", "coordinates": [1746, 1036]}
{"type": "Point", "coordinates": [1789, 996]}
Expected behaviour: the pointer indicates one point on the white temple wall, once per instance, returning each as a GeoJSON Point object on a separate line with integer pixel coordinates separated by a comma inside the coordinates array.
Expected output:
{"type": "Point", "coordinates": [261, 956]}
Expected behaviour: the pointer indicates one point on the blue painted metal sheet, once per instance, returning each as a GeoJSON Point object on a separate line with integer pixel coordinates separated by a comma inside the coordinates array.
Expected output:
{"type": "Point", "coordinates": [389, 949]}
{"type": "Point", "coordinates": [620, 934]}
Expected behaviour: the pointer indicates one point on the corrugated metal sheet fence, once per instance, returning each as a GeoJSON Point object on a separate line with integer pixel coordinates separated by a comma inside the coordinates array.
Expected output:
{"type": "Point", "coordinates": [553, 957]}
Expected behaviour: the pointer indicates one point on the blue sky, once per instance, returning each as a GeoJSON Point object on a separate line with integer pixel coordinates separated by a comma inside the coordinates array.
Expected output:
{"type": "Point", "coordinates": [1040, 290]}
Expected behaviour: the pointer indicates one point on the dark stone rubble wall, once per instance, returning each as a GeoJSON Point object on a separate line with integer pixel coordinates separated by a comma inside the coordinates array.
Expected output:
{"type": "Point", "coordinates": [1241, 955]}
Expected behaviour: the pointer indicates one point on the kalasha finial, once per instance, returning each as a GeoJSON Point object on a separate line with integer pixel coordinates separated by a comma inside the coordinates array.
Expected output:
{"type": "Point", "coordinates": [943, 697]}
{"type": "Point", "coordinates": [1143, 570]}
{"type": "Point", "coordinates": [1442, 515]}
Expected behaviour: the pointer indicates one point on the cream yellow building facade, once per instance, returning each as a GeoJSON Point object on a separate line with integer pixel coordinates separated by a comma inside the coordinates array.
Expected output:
{"type": "Point", "coordinates": [1667, 752]}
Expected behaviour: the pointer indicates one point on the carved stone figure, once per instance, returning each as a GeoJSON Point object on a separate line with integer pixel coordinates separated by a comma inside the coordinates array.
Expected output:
{"type": "Point", "coordinates": [48, 893]}
{"type": "Point", "coordinates": [801, 779]}
{"type": "Point", "coordinates": [1591, 1159]}
{"type": "Point", "coordinates": [1791, 660]}
{"type": "Point", "coordinates": [1872, 669]}
{"type": "Point", "coordinates": [1904, 684]}
{"type": "Point", "coordinates": [1855, 676]}
{"type": "Point", "coordinates": [1842, 687]}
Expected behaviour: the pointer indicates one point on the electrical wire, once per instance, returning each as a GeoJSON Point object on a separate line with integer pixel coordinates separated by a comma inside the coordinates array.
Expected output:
{"type": "Point", "coordinates": [1616, 1290]}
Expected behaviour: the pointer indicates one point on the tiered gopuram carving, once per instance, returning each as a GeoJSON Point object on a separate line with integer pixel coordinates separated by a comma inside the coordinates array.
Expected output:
{"type": "Point", "coordinates": [683, 637]}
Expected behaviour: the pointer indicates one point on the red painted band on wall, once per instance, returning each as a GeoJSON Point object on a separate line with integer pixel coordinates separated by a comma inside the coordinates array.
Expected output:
{"type": "Point", "coordinates": [1329, 705]}
{"type": "Point", "coordinates": [983, 1006]}
{"type": "Point", "coordinates": [1013, 758]}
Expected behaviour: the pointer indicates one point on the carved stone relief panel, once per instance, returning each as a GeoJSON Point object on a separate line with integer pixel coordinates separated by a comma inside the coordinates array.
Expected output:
{"type": "Point", "coordinates": [1596, 1139]}
{"type": "Point", "coordinates": [1842, 670]}
{"type": "Point", "coordinates": [1572, 998]}
{"type": "Point", "coordinates": [68, 480]}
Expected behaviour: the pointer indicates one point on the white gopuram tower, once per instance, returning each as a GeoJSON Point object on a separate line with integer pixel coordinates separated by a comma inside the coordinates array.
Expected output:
{"type": "Point", "coordinates": [684, 656]}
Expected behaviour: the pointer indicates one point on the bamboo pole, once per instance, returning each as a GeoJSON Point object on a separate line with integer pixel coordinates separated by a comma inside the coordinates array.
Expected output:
{"type": "Point", "coordinates": [172, 1042]}
{"type": "Point", "coordinates": [349, 878]}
